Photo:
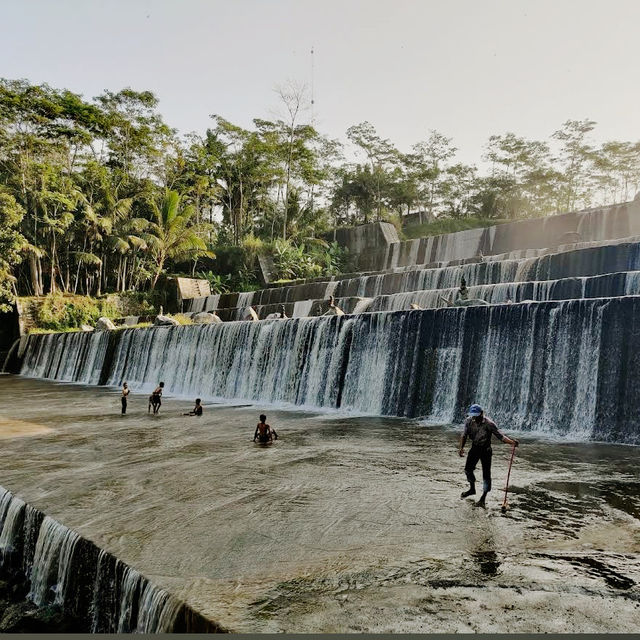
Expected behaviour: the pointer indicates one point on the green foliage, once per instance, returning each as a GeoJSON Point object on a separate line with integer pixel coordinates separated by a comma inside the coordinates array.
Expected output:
{"type": "Point", "coordinates": [299, 262]}
{"type": "Point", "coordinates": [103, 196]}
{"type": "Point", "coordinates": [11, 244]}
{"type": "Point", "coordinates": [182, 319]}
{"type": "Point", "coordinates": [135, 303]}
{"type": "Point", "coordinates": [59, 312]}
{"type": "Point", "coordinates": [218, 283]}
{"type": "Point", "coordinates": [171, 236]}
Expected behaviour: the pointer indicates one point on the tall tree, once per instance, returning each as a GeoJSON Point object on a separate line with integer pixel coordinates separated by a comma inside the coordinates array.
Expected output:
{"type": "Point", "coordinates": [171, 237]}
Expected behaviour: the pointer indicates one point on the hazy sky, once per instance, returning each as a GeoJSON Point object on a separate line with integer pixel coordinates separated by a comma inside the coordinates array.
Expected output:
{"type": "Point", "coordinates": [468, 68]}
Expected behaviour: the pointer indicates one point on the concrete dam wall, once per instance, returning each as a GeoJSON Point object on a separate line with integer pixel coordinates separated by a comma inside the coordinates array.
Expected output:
{"type": "Point", "coordinates": [564, 368]}
{"type": "Point", "coordinates": [378, 251]}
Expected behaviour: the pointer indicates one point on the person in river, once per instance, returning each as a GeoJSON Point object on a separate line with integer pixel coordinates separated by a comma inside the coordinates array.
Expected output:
{"type": "Point", "coordinates": [155, 399]}
{"type": "Point", "coordinates": [264, 433]}
{"type": "Point", "coordinates": [197, 410]}
{"type": "Point", "coordinates": [334, 309]}
{"type": "Point", "coordinates": [463, 293]}
{"type": "Point", "coordinates": [123, 398]}
{"type": "Point", "coordinates": [479, 429]}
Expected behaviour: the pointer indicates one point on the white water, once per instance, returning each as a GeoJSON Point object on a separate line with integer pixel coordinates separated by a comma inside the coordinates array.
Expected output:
{"type": "Point", "coordinates": [56, 579]}
{"type": "Point", "coordinates": [531, 362]}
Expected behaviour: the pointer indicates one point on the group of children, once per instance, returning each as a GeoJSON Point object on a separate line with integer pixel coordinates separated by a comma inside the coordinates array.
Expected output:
{"type": "Point", "coordinates": [155, 401]}
{"type": "Point", "coordinates": [264, 433]}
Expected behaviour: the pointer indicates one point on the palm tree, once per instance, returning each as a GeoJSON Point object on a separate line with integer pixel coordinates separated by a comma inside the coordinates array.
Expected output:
{"type": "Point", "coordinates": [171, 236]}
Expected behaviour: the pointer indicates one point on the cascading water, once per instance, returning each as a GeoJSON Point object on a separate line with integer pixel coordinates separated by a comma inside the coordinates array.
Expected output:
{"type": "Point", "coordinates": [608, 285]}
{"type": "Point", "coordinates": [532, 363]}
{"type": "Point", "coordinates": [69, 572]}
{"type": "Point", "coordinates": [70, 357]}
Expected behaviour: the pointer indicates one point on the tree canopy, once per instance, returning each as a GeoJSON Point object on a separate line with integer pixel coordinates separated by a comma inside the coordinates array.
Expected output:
{"type": "Point", "coordinates": [102, 195]}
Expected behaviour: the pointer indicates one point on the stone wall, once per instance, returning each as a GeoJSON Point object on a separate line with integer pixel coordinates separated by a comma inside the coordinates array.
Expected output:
{"type": "Point", "coordinates": [373, 252]}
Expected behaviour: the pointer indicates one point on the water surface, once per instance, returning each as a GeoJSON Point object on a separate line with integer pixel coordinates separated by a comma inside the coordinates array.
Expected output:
{"type": "Point", "coordinates": [344, 524]}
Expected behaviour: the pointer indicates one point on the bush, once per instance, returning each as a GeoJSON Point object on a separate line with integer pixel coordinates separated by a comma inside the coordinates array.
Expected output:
{"type": "Point", "coordinates": [61, 313]}
{"type": "Point", "coordinates": [182, 319]}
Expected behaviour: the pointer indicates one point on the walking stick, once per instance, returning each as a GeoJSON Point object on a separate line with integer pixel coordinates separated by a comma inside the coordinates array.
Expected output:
{"type": "Point", "coordinates": [506, 486]}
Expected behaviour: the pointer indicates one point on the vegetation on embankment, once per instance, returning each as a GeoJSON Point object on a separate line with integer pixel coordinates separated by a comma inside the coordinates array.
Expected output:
{"type": "Point", "coordinates": [101, 195]}
{"type": "Point", "coordinates": [447, 225]}
{"type": "Point", "coordinates": [67, 312]}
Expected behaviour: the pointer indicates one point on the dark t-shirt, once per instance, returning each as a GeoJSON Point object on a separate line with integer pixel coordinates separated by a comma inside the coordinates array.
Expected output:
{"type": "Point", "coordinates": [480, 433]}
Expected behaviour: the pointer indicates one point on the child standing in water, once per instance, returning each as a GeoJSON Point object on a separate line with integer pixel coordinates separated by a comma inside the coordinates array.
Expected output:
{"type": "Point", "coordinates": [155, 399]}
{"type": "Point", "coordinates": [123, 399]}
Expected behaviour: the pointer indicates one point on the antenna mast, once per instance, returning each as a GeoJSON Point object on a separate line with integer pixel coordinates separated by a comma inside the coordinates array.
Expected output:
{"type": "Point", "coordinates": [312, 78]}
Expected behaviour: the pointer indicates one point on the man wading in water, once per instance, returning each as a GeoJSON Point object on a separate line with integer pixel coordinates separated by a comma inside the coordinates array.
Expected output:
{"type": "Point", "coordinates": [479, 429]}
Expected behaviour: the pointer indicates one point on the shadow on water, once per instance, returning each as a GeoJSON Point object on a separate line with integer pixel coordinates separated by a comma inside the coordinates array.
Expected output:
{"type": "Point", "coordinates": [538, 507]}
{"type": "Point", "coordinates": [623, 496]}
{"type": "Point", "coordinates": [596, 568]}
{"type": "Point", "coordinates": [487, 562]}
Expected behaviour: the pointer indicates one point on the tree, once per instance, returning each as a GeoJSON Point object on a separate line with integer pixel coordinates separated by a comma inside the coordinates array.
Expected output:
{"type": "Point", "coordinates": [171, 237]}
{"type": "Point", "coordinates": [574, 159]}
{"type": "Point", "coordinates": [380, 154]}
{"type": "Point", "coordinates": [427, 166]}
{"type": "Point", "coordinates": [12, 243]}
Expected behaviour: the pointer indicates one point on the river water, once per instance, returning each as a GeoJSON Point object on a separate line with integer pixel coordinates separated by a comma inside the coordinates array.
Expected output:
{"type": "Point", "coordinates": [346, 523]}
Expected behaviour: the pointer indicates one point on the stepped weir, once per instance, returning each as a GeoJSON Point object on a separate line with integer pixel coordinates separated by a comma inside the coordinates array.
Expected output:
{"type": "Point", "coordinates": [553, 352]}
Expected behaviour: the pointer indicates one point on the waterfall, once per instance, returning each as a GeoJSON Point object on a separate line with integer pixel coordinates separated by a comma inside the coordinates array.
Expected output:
{"type": "Point", "coordinates": [11, 527]}
{"type": "Point", "coordinates": [69, 357]}
{"type": "Point", "coordinates": [91, 585]}
{"type": "Point", "coordinates": [302, 308]}
{"type": "Point", "coordinates": [245, 299]}
{"type": "Point", "coordinates": [608, 285]}
{"type": "Point", "coordinates": [531, 363]}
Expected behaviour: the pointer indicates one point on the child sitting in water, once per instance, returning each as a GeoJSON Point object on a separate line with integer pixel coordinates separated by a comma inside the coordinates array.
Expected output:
{"type": "Point", "coordinates": [264, 433]}
{"type": "Point", "coordinates": [196, 411]}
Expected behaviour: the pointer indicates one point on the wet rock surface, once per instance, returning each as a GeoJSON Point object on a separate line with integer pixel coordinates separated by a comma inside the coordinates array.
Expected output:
{"type": "Point", "coordinates": [18, 615]}
{"type": "Point", "coordinates": [346, 523]}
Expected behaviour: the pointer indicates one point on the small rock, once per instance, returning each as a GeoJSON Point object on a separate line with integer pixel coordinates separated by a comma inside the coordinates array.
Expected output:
{"type": "Point", "coordinates": [165, 321]}
{"type": "Point", "coordinates": [104, 324]}
{"type": "Point", "coordinates": [86, 327]}
{"type": "Point", "coordinates": [204, 317]}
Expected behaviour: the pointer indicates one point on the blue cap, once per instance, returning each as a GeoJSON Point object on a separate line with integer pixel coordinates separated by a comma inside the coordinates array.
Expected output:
{"type": "Point", "coordinates": [475, 410]}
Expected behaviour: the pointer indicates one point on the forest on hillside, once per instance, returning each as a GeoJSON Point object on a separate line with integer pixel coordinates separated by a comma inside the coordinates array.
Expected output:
{"type": "Point", "coordinates": [102, 195]}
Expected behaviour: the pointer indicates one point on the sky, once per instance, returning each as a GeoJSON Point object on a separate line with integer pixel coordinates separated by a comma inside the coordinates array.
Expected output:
{"type": "Point", "coordinates": [466, 68]}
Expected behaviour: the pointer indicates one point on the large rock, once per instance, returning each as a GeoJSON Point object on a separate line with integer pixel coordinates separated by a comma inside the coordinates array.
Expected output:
{"type": "Point", "coordinates": [104, 324]}
{"type": "Point", "coordinates": [165, 321]}
{"type": "Point", "coordinates": [206, 318]}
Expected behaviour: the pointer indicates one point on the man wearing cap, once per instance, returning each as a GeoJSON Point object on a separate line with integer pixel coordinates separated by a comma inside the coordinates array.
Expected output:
{"type": "Point", "coordinates": [479, 429]}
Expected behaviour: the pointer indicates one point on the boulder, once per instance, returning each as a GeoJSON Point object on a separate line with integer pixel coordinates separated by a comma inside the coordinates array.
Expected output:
{"type": "Point", "coordinates": [165, 321]}
{"type": "Point", "coordinates": [250, 314]}
{"type": "Point", "coordinates": [104, 324]}
{"type": "Point", "coordinates": [86, 327]}
{"type": "Point", "coordinates": [204, 317]}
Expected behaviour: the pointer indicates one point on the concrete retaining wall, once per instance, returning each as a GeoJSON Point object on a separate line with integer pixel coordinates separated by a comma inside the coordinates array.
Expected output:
{"type": "Point", "coordinates": [603, 223]}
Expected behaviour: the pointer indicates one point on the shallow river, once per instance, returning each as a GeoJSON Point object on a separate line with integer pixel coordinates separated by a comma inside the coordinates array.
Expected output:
{"type": "Point", "coordinates": [344, 524]}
